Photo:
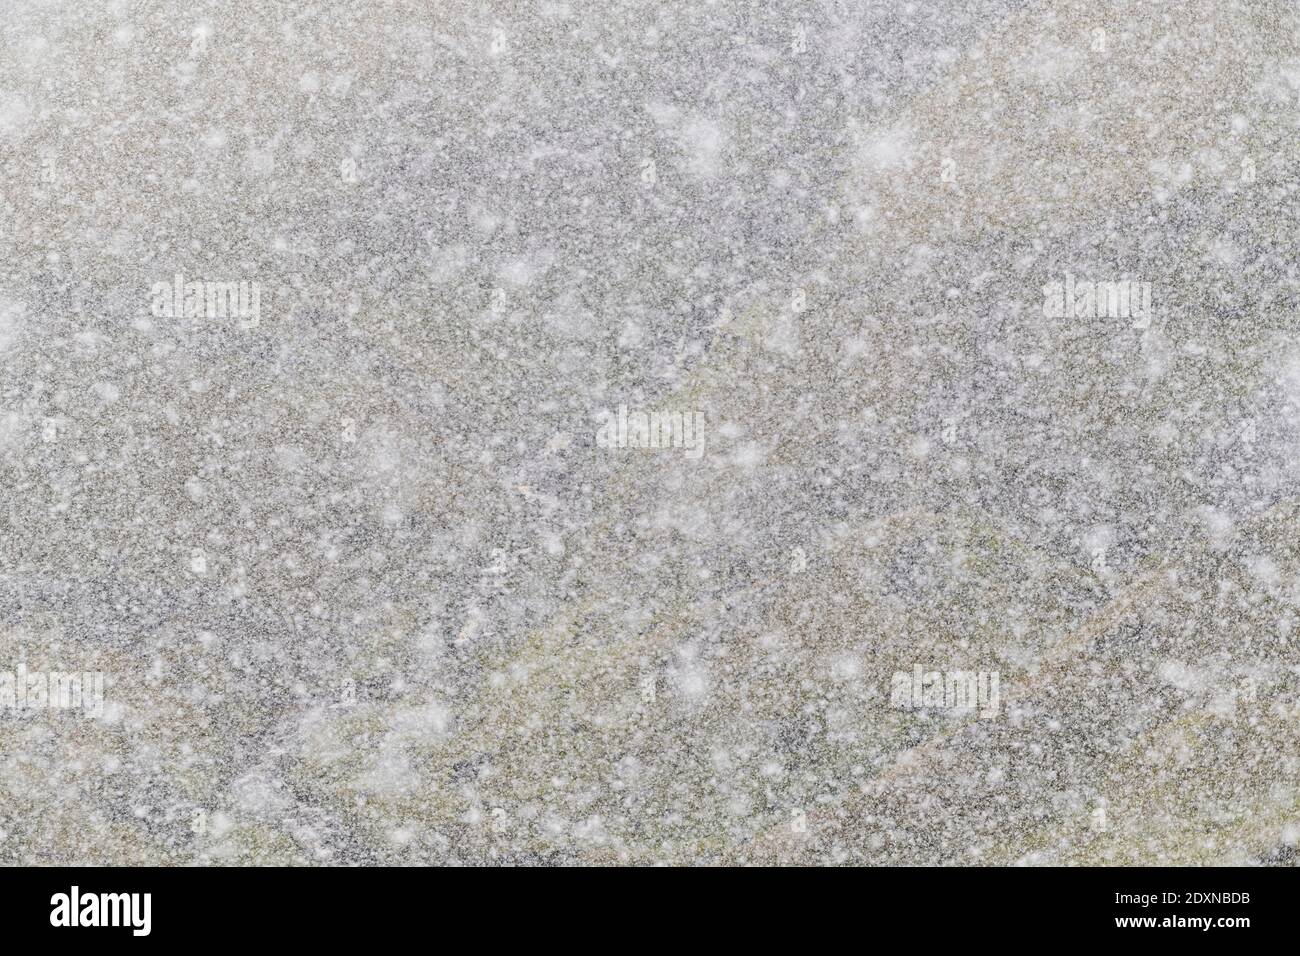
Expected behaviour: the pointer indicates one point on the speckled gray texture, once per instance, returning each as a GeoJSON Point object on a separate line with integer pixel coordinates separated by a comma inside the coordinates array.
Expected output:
{"type": "Point", "coordinates": [366, 554]}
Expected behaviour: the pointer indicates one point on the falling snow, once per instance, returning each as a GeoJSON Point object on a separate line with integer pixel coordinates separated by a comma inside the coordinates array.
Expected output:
{"type": "Point", "coordinates": [986, 550]}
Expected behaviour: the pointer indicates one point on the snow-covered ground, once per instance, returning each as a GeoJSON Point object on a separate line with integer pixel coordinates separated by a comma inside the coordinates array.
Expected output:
{"type": "Point", "coordinates": [634, 432]}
